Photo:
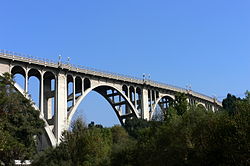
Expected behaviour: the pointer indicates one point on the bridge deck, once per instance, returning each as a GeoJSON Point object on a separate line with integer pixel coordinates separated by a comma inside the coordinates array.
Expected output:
{"type": "Point", "coordinates": [104, 74]}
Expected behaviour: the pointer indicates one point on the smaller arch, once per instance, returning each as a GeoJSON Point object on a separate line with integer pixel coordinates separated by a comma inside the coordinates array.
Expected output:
{"type": "Point", "coordinates": [125, 89]}
{"type": "Point", "coordinates": [201, 105]}
{"type": "Point", "coordinates": [69, 78]}
{"type": "Point", "coordinates": [138, 99]}
{"type": "Point", "coordinates": [18, 70]}
{"type": "Point", "coordinates": [19, 75]}
{"type": "Point", "coordinates": [164, 103]}
{"type": "Point", "coordinates": [153, 97]}
{"type": "Point", "coordinates": [157, 94]}
{"type": "Point", "coordinates": [49, 75]}
{"type": "Point", "coordinates": [87, 84]}
{"type": "Point", "coordinates": [69, 84]}
{"type": "Point", "coordinates": [35, 73]}
{"type": "Point", "coordinates": [70, 90]}
{"type": "Point", "coordinates": [132, 93]}
{"type": "Point", "coordinates": [78, 85]}
{"type": "Point", "coordinates": [49, 82]}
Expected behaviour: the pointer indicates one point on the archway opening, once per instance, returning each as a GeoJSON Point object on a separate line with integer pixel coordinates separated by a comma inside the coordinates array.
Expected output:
{"type": "Point", "coordinates": [70, 87]}
{"type": "Point", "coordinates": [78, 84]}
{"type": "Point", "coordinates": [201, 106]}
{"type": "Point", "coordinates": [87, 84]}
{"type": "Point", "coordinates": [49, 94]}
{"type": "Point", "coordinates": [162, 108]}
{"type": "Point", "coordinates": [95, 108]}
{"type": "Point", "coordinates": [18, 74]}
{"type": "Point", "coordinates": [138, 98]}
{"type": "Point", "coordinates": [117, 102]}
{"type": "Point", "coordinates": [34, 90]}
{"type": "Point", "coordinates": [34, 87]}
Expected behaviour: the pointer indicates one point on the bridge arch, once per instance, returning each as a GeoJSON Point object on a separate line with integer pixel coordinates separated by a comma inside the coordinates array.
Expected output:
{"type": "Point", "coordinates": [125, 90]}
{"type": "Point", "coordinates": [78, 85]}
{"type": "Point", "coordinates": [101, 88]}
{"type": "Point", "coordinates": [201, 105]}
{"type": "Point", "coordinates": [34, 72]}
{"type": "Point", "coordinates": [49, 94]}
{"type": "Point", "coordinates": [18, 70]}
{"type": "Point", "coordinates": [87, 83]}
{"type": "Point", "coordinates": [19, 74]}
{"type": "Point", "coordinates": [163, 101]}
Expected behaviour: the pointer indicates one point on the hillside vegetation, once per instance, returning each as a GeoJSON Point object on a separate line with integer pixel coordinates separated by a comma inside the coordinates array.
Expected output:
{"type": "Point", "coordinates": [181, 135]}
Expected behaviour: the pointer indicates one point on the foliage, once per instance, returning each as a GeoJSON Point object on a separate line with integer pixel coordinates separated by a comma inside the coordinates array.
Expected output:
{"type": "Point", "coordinates": [180, 103]}
{"type": "Point", "coordinates": [81, 146]}
{"type": "Point", "coordinates": [185, 135]}
{"type": "Point", "coordinates": [19, 123]}
{"type": "Point", "coordinates": [229, 103]}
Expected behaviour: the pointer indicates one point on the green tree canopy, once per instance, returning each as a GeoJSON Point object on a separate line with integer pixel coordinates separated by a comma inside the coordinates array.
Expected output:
{"type": "Point", "coordinates": [19, 123]}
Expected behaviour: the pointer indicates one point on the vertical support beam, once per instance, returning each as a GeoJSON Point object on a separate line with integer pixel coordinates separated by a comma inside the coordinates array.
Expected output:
{"type": "Point", "coordinates": [26, 82]}
{"type": "Point", "coordinates": [135, 102]}
{"type": "Point", "coordinates": [120, 107]}
{"type": "Point", "coordinates": [129, 95]}
{"type": "Point", "coordinates": [151, 100]}
{"type": "Point", "coordinates": [82, 85]}
{"type": "Point", "coordinates": [61, 105]}
{"type": "Point", "coordinates": [127, 107]}
{"type": "Point", "coordinates": [74, 91]}
{"type": "Point", "coordinates": [41, 95]}
{"type": "Point", "coordinates": [155, 97]}
{"type": "Point", "coordinates": [145, 110]}
{"type": "Point", "coordinates": [47, 100]}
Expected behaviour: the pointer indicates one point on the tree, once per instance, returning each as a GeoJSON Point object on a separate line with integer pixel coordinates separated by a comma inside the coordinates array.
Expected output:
{"type": "Point", "coordinates": [123, 147]}
{"type": "Point", "coordinates": [180, 103]}
{"type": "Point", "coordinates": [19, 123]}
{"type": "Point", "coordinates": [229, 103]}
{"type": "Point", "coordinates": [81, 147]}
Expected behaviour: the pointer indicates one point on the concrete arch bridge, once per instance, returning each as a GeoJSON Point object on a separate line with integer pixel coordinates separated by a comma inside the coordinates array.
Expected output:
{"type": "Point", "coordinates": [128, 96]}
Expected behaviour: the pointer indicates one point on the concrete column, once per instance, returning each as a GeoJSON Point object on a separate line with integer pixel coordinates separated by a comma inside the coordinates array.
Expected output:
{"type": "Point", "coordinates": [127, 107]}
{"type": "Point", "coordinates": [129, 95]}
{"type": "Point", "coordinates": [135, 102]}
{"type": "Point", "coordinates": [26, 82]}
{"type": "Point", "coordinates": [151, 100]}
{"type": "Point", "coordinates": [41, 95]}
{"type": "Point", "coordinates": [61, 105]}
{"type": "Point", "coordinates": [74, 91]}
{"type": "Point", "coordinates": [47, 99]}
{"type": "Point", "coordinates": [155, 97]}
{"type": "Point", "coordinates": [82, 86]}
{"type": "Point", "coordinates": [145, 110]}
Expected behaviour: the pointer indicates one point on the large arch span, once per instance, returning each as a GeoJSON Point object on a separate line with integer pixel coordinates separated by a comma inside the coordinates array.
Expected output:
{"type": "Point", "coordinates": [115, 97]}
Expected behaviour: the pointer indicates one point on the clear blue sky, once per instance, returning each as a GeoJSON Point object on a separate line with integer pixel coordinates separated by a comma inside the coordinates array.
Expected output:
{"type": "Point", "coordinates": [203, 43]}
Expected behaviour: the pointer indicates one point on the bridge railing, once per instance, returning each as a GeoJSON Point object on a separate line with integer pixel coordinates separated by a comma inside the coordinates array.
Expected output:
{"type": "Point", "coordinates": [90, 70]}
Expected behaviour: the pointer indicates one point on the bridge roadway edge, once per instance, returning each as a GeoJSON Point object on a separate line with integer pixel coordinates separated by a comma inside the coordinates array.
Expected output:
{"type": "Point", "coordinates": [105, 75]}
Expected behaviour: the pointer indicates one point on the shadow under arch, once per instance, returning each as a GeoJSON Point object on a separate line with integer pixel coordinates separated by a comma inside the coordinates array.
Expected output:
{"type": "Point", "coordinates": [18, 70]}
{"type": "Point", "coordinates": [102, 90]}
{"type": "Point", "coordinates": [163, 102]}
